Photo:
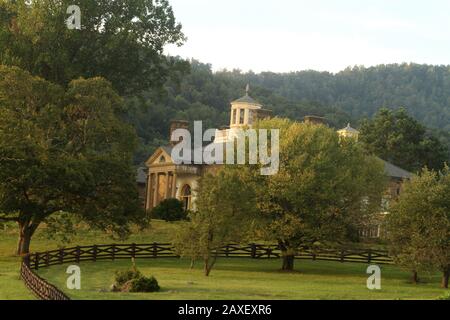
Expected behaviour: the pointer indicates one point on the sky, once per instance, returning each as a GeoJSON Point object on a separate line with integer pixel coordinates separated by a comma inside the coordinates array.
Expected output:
{"type": "Point", "coordinates": [323, 35]}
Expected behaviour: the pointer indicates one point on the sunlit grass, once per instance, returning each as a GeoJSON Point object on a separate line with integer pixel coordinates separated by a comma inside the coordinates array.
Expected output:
{"type": "Point", "coordinates": [237, 279]}
{"type": "Point", "coordinates": [231, 279]}
{"type": "Point", "coordinates": [11, 287]}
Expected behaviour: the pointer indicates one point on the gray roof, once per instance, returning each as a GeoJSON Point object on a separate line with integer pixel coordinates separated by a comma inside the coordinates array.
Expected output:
{"type": "Point", "coordinates": [246, 99]}
{"type": "Point", "coordinates": [396, 172]}
{"type": "Point", "coordinates": [349, 129]}
{"type": "Point", "coordinates": [141, 175]}
{"type": "Point", "coordinates": [390, 169]}
{"type": "Point", "coordinates": [167, 149]}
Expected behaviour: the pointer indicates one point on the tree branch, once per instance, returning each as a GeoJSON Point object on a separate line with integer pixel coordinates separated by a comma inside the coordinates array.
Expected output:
{"type": "Point", "coordinates": [7, 219]}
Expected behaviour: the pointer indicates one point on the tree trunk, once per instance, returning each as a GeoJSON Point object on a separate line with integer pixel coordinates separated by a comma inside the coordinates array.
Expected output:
{"type": "Point", "coordinates": [209, 264]}
{"type": "Point", "coordinates": [415, 278]}
{"type": "Point", "coordinates": [25, 234]}
{"type": "Point", "coordinates": [19, 245]}
{"type": "Point", "coordinates": [287, 254]}
{"type": "Point", "coordinates": [445, 277]}
{"type": "Point", "coordinates": [23, 247]}
{"type": "Point", "coordinates": [207, 269]}
{"type": "Point", "coordinates": [288, 261]}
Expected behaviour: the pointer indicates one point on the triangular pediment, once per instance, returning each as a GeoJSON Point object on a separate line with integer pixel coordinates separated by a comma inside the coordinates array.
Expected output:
{"type": "Point", "coordinates": [159, 157]}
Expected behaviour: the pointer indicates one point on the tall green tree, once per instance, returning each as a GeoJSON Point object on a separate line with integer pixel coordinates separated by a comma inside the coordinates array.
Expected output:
{"type": "Point", "coordinates": [325, 190]}
{"type": "Point", "coordinates": [419, 224]}
{"type": "Point", "coordinates": [396, 137]}
{"type": "Point", "coordinates": [64, 151]}
{"type": "Point", "coordinates": [120, 40]}
{"type": "Point", "coordinates": [225, 209]}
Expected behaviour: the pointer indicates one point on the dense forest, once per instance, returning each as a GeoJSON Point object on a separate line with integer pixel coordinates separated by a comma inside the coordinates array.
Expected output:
{"type": "Point", "coordinates": [423, 90]}
{"type": "Point", "coordinates": [195, 92]}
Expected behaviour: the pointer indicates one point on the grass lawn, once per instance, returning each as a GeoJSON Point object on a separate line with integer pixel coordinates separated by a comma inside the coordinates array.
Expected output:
{"type": "Point", "coordinates": [231, 278]}
{"type": "Point", "coordinates": [236, 279]}
{"type": "Point", "coordinates": [12, 288]}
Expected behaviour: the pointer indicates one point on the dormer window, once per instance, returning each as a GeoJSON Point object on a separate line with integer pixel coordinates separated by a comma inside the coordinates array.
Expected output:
{"type": "Point", "coordinates": [162, 159]}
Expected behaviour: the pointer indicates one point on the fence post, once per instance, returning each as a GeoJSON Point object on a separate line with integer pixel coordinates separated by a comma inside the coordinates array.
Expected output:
{"type": "Point", "coordinates": [227, 250]}
{"type": "Point", "coordinates": [253, 250]}
{"type": "Point", "coordinates": [154, 250]}
{"type": "Point", "coordinates": [77, 255]}
{"type": "Point", "coordinates": [26, 260]}
{"type": "Point", "coordinates": [95, 253]}
{"type": "Point", "coordinates": [342, 255]}
{"type": "Point", "coordinates": [113, 254]}
{"type": "Point", "coordinates": [36, 261]}
{"type": "Point", "coordinates": [133, 250]}
{"type": "Point", "coordinates": [61, 256]}
{"type": "Point", "coordinates": [47, 259]}
{"type": "Point", "coordinates": [369, 256]}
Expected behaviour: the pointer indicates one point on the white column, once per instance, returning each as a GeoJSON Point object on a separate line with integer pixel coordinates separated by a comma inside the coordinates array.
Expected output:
{"type": "Point", "coordinates": [148, 203]}
{"type": "Point", "coordinates": [156, 190]}
{"type": "Point", "coordinates": [167, 185]}
{"type": "Point", "coordinates": [174, 185]}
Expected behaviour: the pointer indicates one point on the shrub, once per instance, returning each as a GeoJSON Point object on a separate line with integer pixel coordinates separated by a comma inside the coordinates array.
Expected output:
{"type": "Point", "coordinates": [169, 210]}
{"type": "Point", "coordinates": [134, 281]}
{"type": "Point", "coordinates": [445, 296]}
{"type": "Point", "coordinates": [123, 277]}
{"type": "Point", "coordinates": [144, 284]}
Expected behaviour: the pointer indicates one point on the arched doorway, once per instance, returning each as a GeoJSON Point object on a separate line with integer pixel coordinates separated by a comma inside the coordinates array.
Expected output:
{"type": "Point", "coordinates": [186, 196]}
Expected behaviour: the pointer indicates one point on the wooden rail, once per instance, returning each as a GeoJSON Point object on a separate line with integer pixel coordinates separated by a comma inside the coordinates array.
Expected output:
{"type": "Point", "coordinates": [43, 290]}
{"type": "Point", "coordinates": [40, 287]}
{"type": "Point", "coordinates": [165, 250]}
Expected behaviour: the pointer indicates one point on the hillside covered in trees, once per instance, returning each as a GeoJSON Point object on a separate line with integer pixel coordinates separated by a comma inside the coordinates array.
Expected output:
{"type": "Point", "coordinates": [424, 90]}
{"type": "Point", "coordinates": [195, 92]}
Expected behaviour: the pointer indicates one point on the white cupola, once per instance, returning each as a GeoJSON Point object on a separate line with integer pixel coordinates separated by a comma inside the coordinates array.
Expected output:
{"type": "Point", "coordinates": [244, 110]}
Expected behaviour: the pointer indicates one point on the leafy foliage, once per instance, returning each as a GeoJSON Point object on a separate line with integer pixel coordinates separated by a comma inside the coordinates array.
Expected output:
{"type": "Point", "coordinates": [61, 227]}
{"type": "Point", "coordinates": [225, 208]}
{"type": "Point", "coordinates": [64, 151]}
{"type": "Point", "coordinates": [197, 93]}
{"type": "Point", "coordinates": [419, 224]}
{"type": "Point", "coordinates": [134, 281]}
{"type": "Point", "coordinates": [445, 296]}
{"type": "Point", "coordinates": [169, 210]}
{"type": "Point", "coordinates": [144, 284]}
{"type": "Point", "coordinates": [424, 90]}
{"type": "Point", "coordinates": [396, 137]}
{"type": "Point", "coordinates": [122, 277]}
{"type": "Point", "coordinates": [349, 96]}
{"type": "Point", "coordinates": [120, 40]}
{"type": "Point", "coordinates": [326, 188]}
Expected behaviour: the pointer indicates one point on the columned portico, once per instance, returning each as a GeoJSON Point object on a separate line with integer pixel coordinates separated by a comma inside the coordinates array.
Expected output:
{"type": "Point", "coordinates": [161, 186]}
{"type": "Point", "coordinates": [165, 179]}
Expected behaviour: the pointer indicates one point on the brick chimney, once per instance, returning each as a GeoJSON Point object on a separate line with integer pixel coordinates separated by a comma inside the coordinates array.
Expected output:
{"type": "Point", "coordinates": [177, 124]}
{"type": "Point", "coordinates": [315, 120]}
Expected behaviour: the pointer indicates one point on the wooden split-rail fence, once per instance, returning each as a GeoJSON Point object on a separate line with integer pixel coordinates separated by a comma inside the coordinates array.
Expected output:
{"type": "Point", "coordinates": [43, 290]}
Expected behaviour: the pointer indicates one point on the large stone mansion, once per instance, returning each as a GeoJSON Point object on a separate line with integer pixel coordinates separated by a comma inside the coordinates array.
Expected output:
{"type": "Point", "coordinates": [163, 179]}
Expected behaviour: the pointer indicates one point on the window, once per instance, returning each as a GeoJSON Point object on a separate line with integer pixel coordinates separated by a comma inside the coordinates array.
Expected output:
{"type": "Point", "coordinates": [372, 232]}
{"type": "Point", "coordinates": [250, 117]}
{"type": "Point", "coordinates": [162, 159]}
{"type": "Point", "coordinates": [385, 203]}
{"type": "Point", "coordinates": [233, 117]}
{"type": "Point", "coordinates": [186, 196]}
{"type": "Point", "coordinates": [241, 116]}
